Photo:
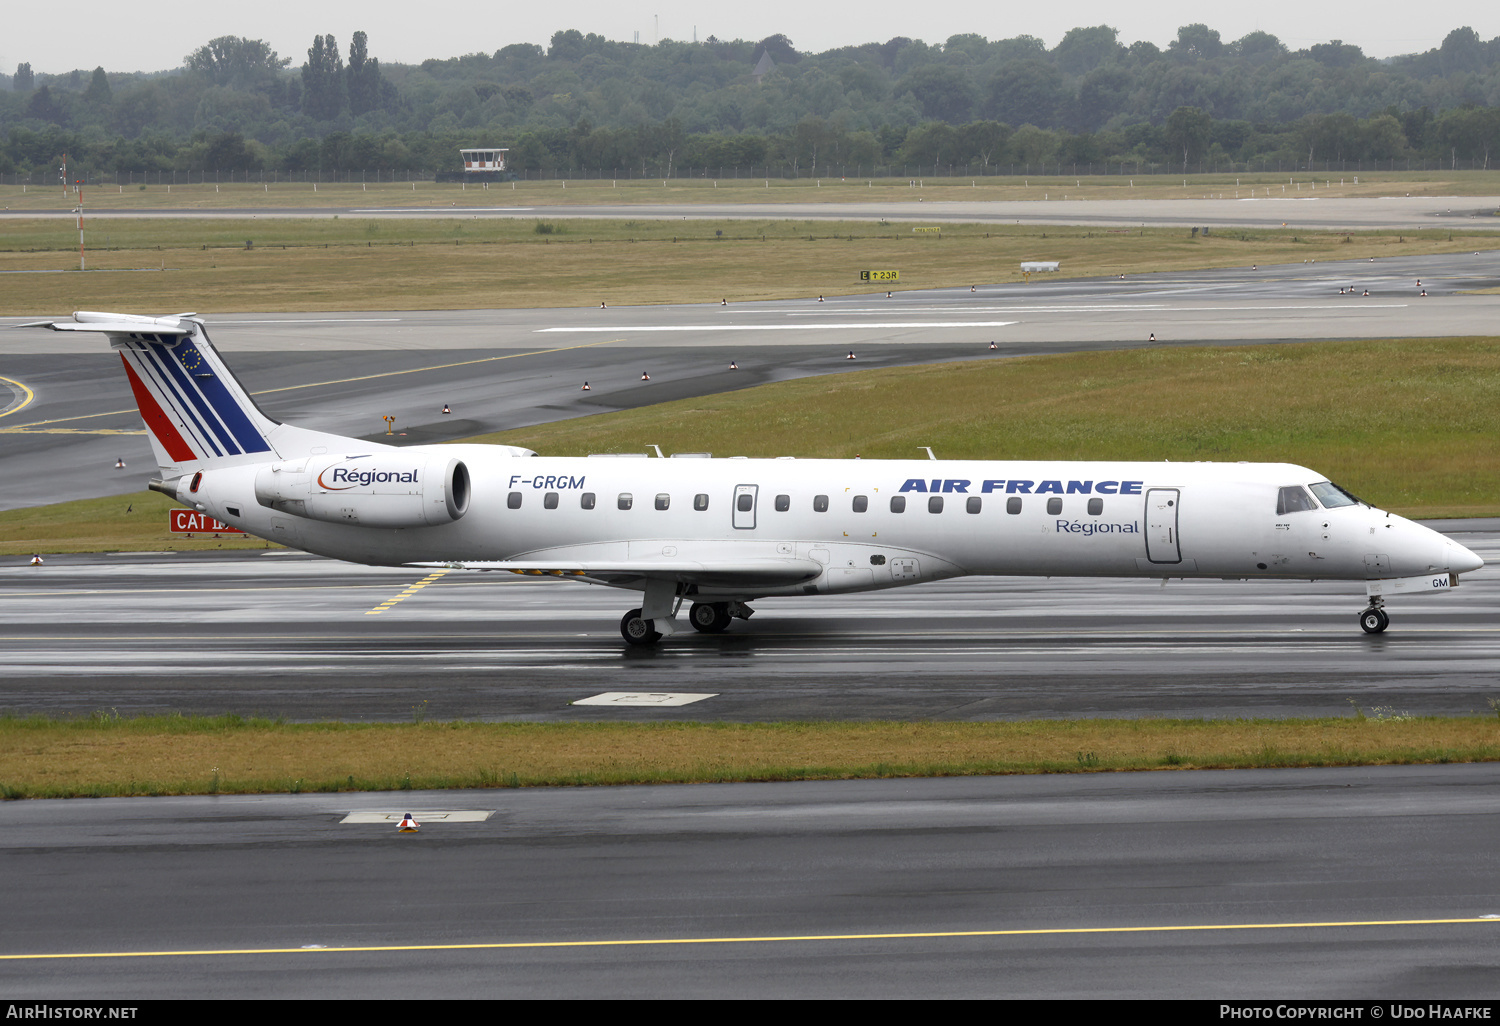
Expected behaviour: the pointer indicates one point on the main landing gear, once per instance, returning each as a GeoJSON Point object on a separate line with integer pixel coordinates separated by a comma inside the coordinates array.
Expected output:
{"type": "Point", "coordinates": [709, 617]}
{"type": "Point", "coordinates": [637, 630]}
{"type": "Point", "coordinates": [1374, 620]}
{"type": "Point", "coordinates": [706, 618]}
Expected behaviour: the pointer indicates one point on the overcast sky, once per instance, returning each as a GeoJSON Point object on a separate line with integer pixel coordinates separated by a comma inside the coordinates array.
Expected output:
{"type": "Point", "coordinates": [157, 35]}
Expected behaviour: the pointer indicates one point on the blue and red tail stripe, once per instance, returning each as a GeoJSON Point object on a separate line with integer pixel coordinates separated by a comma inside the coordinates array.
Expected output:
{"type": "Point", "coordinates": [190, 383]}
{"type": "Point", "coordinates": [157, 422]}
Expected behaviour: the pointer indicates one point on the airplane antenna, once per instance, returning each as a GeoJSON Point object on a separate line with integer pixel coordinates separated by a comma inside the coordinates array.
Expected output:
{"type": "Point", "coordinates": [928, 448]}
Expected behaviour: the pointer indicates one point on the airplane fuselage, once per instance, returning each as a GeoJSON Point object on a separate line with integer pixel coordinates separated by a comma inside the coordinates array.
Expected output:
{"type": "Point", "coordinates": [868, 523]}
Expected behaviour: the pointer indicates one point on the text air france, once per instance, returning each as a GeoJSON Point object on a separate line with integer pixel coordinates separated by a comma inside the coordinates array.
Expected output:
{"type": "Point", "coordinates": [1023, 487]}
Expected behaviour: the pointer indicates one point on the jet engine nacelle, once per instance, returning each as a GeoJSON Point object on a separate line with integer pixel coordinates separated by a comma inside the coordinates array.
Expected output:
{"type": "Point", "coordinates": [389, 489]}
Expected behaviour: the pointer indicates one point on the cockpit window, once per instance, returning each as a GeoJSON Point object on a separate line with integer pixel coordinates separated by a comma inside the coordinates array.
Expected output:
{"type": "Point", "coordinates": [1331, 495]}
{"type": "Point", "coordinates": [1293, 499]}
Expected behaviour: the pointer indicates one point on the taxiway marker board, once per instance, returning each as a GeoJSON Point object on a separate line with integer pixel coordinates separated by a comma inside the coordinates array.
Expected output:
{"type": "Point", "coordinates": [453, 816]}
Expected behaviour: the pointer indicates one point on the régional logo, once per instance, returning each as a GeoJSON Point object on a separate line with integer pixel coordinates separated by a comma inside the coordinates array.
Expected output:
{"type": "Point", "coordinates": [343, 478]}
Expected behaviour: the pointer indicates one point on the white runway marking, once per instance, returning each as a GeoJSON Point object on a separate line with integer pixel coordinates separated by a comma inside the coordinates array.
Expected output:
{"type": "Point", "coordinates": [642, 698]}
{"type": "Point", "coordinates": [440, 210]}
{"type": "Point", "coordinates": [791, 327]}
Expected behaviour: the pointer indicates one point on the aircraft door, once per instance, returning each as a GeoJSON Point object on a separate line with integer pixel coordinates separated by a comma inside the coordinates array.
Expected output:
{"type": "Point", "coordinates": [745, 496]}
{"type": "Point", "coordinates": [1162, 507]}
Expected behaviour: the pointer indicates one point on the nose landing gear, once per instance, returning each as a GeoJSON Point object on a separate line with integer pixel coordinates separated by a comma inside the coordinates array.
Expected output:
{"type": "Point", "coordinates": [1374, 620]}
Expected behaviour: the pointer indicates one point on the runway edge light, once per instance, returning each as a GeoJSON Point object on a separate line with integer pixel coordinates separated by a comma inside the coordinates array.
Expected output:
{"type": "Point", "coordinates": [408, 825]}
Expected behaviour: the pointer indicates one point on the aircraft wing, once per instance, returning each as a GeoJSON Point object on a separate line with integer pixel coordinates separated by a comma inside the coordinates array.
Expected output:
{"type": "Point", "coordinates": [762, 573]}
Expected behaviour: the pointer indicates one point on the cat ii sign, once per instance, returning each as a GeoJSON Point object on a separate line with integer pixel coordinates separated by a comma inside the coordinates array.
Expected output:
{"type": "Point", "coordinates": [187, 521]}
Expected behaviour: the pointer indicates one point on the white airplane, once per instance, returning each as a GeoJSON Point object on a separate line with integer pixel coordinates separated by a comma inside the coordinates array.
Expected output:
{"type": "Point", "coordinates": [720, 533]}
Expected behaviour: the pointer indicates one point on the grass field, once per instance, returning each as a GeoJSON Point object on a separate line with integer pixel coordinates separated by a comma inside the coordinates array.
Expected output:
{"type": "Point", "coordinates": [152, 265]}
{"type": "Point", "coordinates": [107, 755]}
{"type": "Point", "coordinates": [272, 192]}
{"type": "Point", "coordinates": [118, 523]}
{"type": "Point", "coordinates": [1409, 424]}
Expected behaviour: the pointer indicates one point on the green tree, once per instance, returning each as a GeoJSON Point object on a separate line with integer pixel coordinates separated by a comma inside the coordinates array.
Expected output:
{"type": "Point", "coordinates": [1084, 49]}
{"type": "Point", "coordinates": [98, 93]}
{"type": "Point", "coordinates": [567, 45]}
{"type": "Point", "coordinates": [1188, 132]}
{"type": "Point", "coordinates": [985, 140]}
{"type": "Point", "coordinates": [945, 93]}
{"type": "Point", "coordinates": [1257, 44]}
{"type": "Point", "coordinates": [325, 94]}
{"type": "Point", "coordinates": [1196, 42]}
{"type": "Point", "coordinates": [1461, 51]}
{"type": "Point", "coordinates": [237, 63]}
{"type": "Point", "coordinates": [367, 89]}
{"type": "Point", "coordinates": [1033, 145]}
{"type": "Point", "coordinates": [1030, 92]}
{"type": "Point", "coordinates": [24, 80]}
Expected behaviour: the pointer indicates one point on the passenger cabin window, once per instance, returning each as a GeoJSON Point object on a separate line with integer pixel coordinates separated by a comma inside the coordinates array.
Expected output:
{"type": "Point", "coordinates": [1096, 506]}
{"type": "Point", "coordinates": [586, 500]}
{"type": "Point", "coordinates": [861, 503]}
{"type": "Point", "coordinates": [1013, 505]}
{"type": "Point", "coordinates": [820, 504]}
{"type": "Point", "coordinates": [783, 503]}
{"type": "Point", "coordinates": [513, 500]}
{"type": "Point", "coordinates": [663, 500]}
{"type": "Point", "coordinates": [1331, 495]}
{"type": "Point", "coordinates": [898, 504]}
{"type": "Point", "coordinates": [1054, 506]}
{"type": "Point", "coordinates": [744, 503]}
{"type": "Point", "coordinates": [974, 504]}
{"type": "Point", "coordinates": [549, 501]}
{"type": "Point", "coordinates": [626, 500]}
{"type": "Point", "coordinates": [935, 504]}
{"type": "Point", "coordinates": [1293, 499]}
{"type": "Point", "coordinates": [700, 502]}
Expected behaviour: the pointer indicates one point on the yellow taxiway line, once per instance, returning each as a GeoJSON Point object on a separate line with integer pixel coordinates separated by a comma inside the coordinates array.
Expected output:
{"type": "Point", "coordinates": [39, 427]}
{"type": "Point", "coordinates": [408, 593]}
{"type": "Point", "coordinates": [28, 396]}
{"type": "Point", "coordinates": [790, 938]}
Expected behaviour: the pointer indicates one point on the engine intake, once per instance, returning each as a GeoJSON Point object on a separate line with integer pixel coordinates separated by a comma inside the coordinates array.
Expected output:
{"type": "Point", "coordinates": [400, 489]}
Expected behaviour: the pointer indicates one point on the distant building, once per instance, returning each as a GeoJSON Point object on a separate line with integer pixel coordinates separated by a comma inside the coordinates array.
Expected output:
{"type": "Point", "coordinates": [484, 160]}
{"type": "Point", "coordinates": [763, 66]}
{"type": "Point", "coordinates": [480, 164]}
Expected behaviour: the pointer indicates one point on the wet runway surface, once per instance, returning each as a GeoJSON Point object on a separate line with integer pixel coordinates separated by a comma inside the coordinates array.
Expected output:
{"type": "Point", "coordinates": [1337, 883]}
{"type": "Point", "coordinates": [287, 635]}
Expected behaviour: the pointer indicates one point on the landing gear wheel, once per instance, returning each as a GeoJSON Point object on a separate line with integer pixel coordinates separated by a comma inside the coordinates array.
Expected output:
{"type": "Point", "coordinates": [709, 617]}
{"type": "Point", "coordinates": [637, 630]}
{"type": "Point", "coordinates": [1373, 621]}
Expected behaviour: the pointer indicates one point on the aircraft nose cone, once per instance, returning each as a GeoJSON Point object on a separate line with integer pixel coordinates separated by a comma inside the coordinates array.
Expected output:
{"type": "Point", "coordinates": [1461, 560]}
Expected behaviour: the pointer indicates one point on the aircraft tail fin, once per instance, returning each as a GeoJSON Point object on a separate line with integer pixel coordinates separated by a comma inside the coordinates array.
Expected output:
{"type": "Point", "coordinates": [196, 412]}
